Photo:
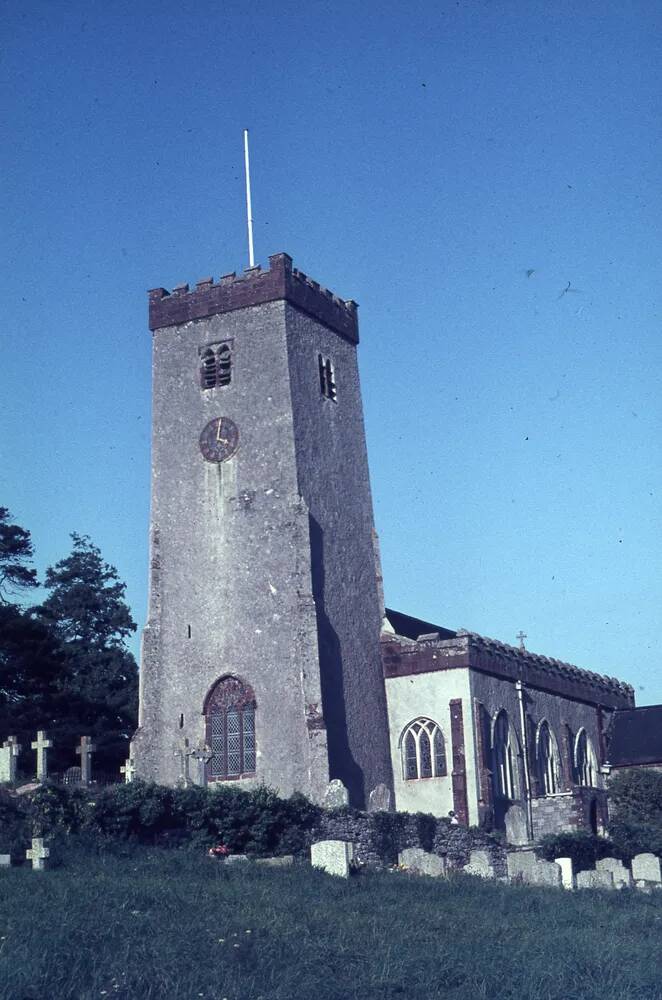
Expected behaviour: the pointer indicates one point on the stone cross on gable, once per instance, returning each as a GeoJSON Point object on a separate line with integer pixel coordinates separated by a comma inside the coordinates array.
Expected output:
{"type": "Point", "coordinates": [41, 745]}
{"type": "Point", "coordinates": [128, 770]}
{"type": "Point", "coordinates": [85, 751]}
{"type": "Point", "coordinates": [521, 636]}
{"type": "Point", "coordinates": [37, 854]}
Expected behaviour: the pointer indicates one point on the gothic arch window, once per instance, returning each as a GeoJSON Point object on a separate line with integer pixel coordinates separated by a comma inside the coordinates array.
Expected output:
{"type": "Point", "coordinates": [216, 366]}
{"type": "Point", "coordinates": [547, 754]}
{"type": "Point", "coordinates": [586, 763]}
{"type": "Point", "coordinates": [503, 755]}
{"type": "Point", "coordinates": [229, 712]}
{"type": "Point", "coordinates": [423, 750]}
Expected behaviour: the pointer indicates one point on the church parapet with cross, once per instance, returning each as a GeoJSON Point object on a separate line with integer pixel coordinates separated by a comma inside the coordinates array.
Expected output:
{"type": "Point", "coordinates": [267, 640]}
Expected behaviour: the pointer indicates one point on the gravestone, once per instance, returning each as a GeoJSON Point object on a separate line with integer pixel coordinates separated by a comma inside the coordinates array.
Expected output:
{"type": "Point", "coordinates": [646, 868]}
{"type": "Point", "coordinates": [283, 862]}
{"type": "Point", "coordinates": [128, 769]}
{"type": "Point", "coordinates": [85, 751]}
{"type": "Point", "coordinates": [9, 752]}
{"type": "Point", "coordinates": [595, 880]}
{"type": "Point", "coordinates": [72, 776]}
{"type": "Point", "coordinates": [37, 854]}
{"type": "Point", "coordinates": [379, 799]}
{"type": "Point", "coordinates": [622, 876]}
{"type": "Point", "coordinates": [332, 856]}
{"type": "Point", "coordinates": [516, 830]}
{"type": "Point", "coordinates": [479, 864]}
{"type": "Point", "coordinates": [41, 745]}
{"type": "Point", "coordinates": [567, 872]}
{"type": "Point", "coordinates": [423, 862]}
{"type": "Point", "coordinates": [524, 866]}
{"type": "Point", "coordinates": [233, 859]}
{"type": "Point", "coordinates": [335, 796]}
{"type": "Point", "coordinates": [5, 860]}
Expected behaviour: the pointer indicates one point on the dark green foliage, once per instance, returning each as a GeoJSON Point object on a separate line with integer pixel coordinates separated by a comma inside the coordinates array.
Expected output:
{"type": "Point", "coordinates": [583, 847]}
{"type": "Point", "coordinates": [15, 827]}
{"type": "Point", "coordinates": [134, 922]}
{"type": "Point", "coordinates": [635, 838]}
{"type": "Point", "coordinates": [386, 827]}
{"type": "Point", "coordinates": [54, 809]}
{"type": "Point", "coordinates": [636, 811]}
{"type": "Point", "coordinates": [15, 553]}
{"type": "Point", "coordinates": [426, 827]}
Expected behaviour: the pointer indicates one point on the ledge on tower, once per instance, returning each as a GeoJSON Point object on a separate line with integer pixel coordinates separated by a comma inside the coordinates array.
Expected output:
{"type": "Point", "coordinates": [254, 287]}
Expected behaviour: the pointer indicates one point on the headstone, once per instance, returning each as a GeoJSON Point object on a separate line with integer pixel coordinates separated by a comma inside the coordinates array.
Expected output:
{"type": "Point", "coordinates": [516, 829]}
{"type": "Point", "coordinates": [595, 880]}
{"type": "Point", "coordinates": [41, 745]}
{"type": "Point", "coordinates": [9, 752]}
{"type": "Point", "coordinates": [336, 795]}
{"type": "Point", "coordinates": [622, 876]}
{"type": "Point", "coordinates": [479, 864]}
{"type": "Point", "coordinates": [646, 868]}
{"type": "Point", "coordinates": [524, 866]}
{"type": "Point", "coordinates": [72, 776]}
{"type": "Point", "coordinates": [567, 872]}
{"type": "Point", "coordinates": [283, 862]}
{"type": "Point", "coordinates": [85, 751]}
{"type": "Point", "coordinates": [37, 854]}
{"type": "Point", "coordinates": [128, 769]}
{"type": "Point", "coordinates": [332, 856]}
{"type": "Point", "coordinates": [32, 786]}
{"type": "Point", "coordinates": [379, 799]}
{"type": "Point", "coordinates": [423, 862]}
{"type": "Point", "coordinates": [5, 860]}
{"type": "Point", "coordinates": [233, 859]}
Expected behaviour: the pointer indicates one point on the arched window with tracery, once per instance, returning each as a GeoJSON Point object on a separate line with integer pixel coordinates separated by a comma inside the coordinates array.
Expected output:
{"type": "Point", "coordinates": [230, 729]}
{"type": "Point", "coordinates": [504, 764]}
{"type": "Point", "coordinates": [586, 763]}
{"type": "Point", "coordinates": [547, 753]}
{"type": "Point", "coordinates": [423, 750]}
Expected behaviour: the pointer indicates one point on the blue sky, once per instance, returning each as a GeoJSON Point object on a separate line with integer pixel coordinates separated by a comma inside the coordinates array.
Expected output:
{"type": "Point", "coordinates": [421, 158]}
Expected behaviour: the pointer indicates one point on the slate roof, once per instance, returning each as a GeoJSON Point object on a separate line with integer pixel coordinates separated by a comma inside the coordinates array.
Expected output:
{"type": "Point", "coordinates": [635, 736]}
{"type": "Point", "coordinates": [411, 628]}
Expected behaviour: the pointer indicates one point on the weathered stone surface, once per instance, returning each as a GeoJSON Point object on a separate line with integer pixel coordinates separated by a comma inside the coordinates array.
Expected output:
{"type": "Point", "coordinates": [5, 860]}
{"type": "Point", "coordinates": [422, 861]}
{"type": "Point", "coordinates": [646, 868]}
{"type": "Point", "coordinates": [516, 831]}
{"type": "Point", "coordinates": [37, 854]}
{"type": "Point", "coordinates": [524, 866]}
{"type": "Point", "coordinates": [479, 864]}
{"type": "Point", "coordinates": [283, 862]}
{"type": "Point", "coordinates": [31, 786]}
{"type": "Point", "coordinates": [332, 856]}
{"type": "Point", "coordinates": [621, 874]}
{"type": "Point", "coordinates": [595, 880]}
{"type": "Point", "coordinates": [336, 795]}
{"type": "Point", "coordinates": [233, 859]}
{"type": "Point", "coordinates": [379, 799]}
{"type": "Point", "coordinates": [567, 872]}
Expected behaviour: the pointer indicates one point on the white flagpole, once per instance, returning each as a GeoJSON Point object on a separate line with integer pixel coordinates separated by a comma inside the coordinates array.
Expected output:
{"type": "Point", "coordinates": [249, 211]}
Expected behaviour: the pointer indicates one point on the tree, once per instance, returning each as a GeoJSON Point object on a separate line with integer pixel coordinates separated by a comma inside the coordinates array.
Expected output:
{"type": "Point", "coordinates": [636, 810]}
{"type": "Point", "coordinates": [88, 615]}
{"type": "Point", "coordinates": [15, 553]}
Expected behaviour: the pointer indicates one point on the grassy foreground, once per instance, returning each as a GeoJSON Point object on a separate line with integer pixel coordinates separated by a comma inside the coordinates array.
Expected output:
{"type": "Point", "coordinates": [150, 923]}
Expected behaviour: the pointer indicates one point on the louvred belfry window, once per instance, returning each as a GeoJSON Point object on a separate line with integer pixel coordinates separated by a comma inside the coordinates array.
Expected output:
{"type": "Point", "coordinates": [216, 366]}
{"type": "Point", "coordinates": [230, 724]}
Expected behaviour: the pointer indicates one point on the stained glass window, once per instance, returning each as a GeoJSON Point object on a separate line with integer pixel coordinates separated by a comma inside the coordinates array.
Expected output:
{"type": "Point", "coordinates": [423, 750]}
{"type": "Point", "coordinates": [230, 717]}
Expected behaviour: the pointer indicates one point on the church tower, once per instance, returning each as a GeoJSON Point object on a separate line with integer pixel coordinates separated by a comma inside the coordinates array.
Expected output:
{"type": "Point", "coordinates": [265, 603]}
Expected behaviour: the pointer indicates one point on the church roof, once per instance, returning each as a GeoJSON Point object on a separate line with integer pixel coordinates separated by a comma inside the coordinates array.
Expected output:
{"type": "Point", "coordinates": [635, 737]}
{"type": "Point", "coordinates": [435, 648]}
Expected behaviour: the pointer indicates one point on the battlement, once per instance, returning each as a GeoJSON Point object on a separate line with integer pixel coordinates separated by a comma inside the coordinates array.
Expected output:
{"type": "Point", "coordinates": [254, 287]}
{"type": "Point", "coordinates": [403, 656]}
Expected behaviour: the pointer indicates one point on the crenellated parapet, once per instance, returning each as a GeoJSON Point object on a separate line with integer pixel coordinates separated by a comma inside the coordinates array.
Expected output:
{"type": "Point", "coordinates": [254, 287]}
{"type": "Point", "coordinates": [403, 656]}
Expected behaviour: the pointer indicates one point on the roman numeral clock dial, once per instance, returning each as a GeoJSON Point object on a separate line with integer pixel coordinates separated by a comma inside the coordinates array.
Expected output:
{"type": "Point", "coordinates": [219, 439]}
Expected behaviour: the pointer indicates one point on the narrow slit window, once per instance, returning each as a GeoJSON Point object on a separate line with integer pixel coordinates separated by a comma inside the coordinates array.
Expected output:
{"type": "Point", "coordinates": [327, 377]}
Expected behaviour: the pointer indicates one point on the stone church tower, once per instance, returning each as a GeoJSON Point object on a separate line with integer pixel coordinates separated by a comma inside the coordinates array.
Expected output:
{"type": "Point", "coordinates": [265, 602]}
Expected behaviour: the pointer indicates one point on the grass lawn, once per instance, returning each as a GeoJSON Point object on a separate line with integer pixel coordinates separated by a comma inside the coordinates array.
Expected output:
{"type": "Point", "coordinates": [150, 923]}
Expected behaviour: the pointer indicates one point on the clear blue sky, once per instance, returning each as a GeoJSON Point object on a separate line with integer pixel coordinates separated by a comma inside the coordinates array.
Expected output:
{"type": "Point", "coordinates": [420, 158]}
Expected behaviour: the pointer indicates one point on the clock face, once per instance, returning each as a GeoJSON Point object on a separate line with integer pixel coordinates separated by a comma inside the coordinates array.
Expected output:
{"type": "Point", "coordinates": [219, 439]}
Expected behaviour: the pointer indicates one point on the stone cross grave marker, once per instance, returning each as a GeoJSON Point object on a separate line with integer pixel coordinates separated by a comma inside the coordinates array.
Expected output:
{"type": "Point", "coordinates": [185, 751]}
{"type": "Point", "coordinates": [128, 769]}
{"type": "Point", "coordinates": [11, 748]}
{"type": "Point", "coordinates": [202, 753]}
{"type": "Point", "coordinates": [85, 751]}
{"type": "Point", "coordinates": [41, 745]}
{"type": "Point", "coordinates": [336, 795]}
{"type": "Point", "coordinates": [37, 854]}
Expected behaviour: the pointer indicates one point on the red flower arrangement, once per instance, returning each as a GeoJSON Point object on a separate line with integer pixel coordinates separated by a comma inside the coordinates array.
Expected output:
{"type": "Point", "coordinates": [221, 851]}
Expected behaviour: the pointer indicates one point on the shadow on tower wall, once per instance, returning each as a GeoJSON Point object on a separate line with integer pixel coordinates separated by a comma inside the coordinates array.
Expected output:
{"type": "Point", "coordinates": [341, 762]}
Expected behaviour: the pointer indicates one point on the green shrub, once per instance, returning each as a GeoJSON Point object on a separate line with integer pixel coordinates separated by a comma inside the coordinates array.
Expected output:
{"type": "Point", "coordinates": [584, 848]}
{"type": "Point", "coordinates": [636, 796]}
{"type": "Point", "coordinates": [55, 807]}
{"type": "Point", "coordinates": [426, 827]}
{"type": "Point", "coordinates": [635, 838]}
{"type": "Point", "coordinates": [15, 827]}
